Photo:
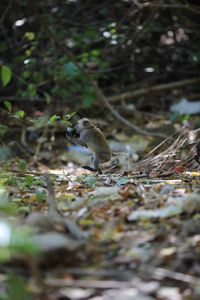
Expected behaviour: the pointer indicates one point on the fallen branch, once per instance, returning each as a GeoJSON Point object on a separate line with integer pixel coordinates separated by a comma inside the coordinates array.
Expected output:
{"type": "Point", "coordinates": [192, 8]}
{"type": "Point", "coordinates": [161, 273]}
{"type": "Point", "coordinates": [153, 89]}
{"type": "Point", "coordinates": [96, 284]}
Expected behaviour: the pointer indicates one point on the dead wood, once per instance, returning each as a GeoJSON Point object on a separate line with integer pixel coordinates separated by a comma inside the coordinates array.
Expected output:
{"type": "Point", "coordinates": [153, 89]}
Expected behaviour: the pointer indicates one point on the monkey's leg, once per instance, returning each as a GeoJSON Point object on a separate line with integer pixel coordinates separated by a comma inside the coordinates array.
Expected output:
{"type": "Point", "coordinates": [90, 168]}
{"type": "Point", "coordinates": [96, 165]}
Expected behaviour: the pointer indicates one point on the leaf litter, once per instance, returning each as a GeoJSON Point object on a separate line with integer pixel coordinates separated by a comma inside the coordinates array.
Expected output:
{"type": "Point", "coordinates": [133, 235]}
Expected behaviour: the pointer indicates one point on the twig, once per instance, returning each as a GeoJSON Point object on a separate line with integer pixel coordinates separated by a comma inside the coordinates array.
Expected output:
{"type": "Point", "coordinates": [56, 217]}
{"type": "Point", "coordinates": [96, 284]}
{"type": "Point", "coordinates": [102, 97]}
{"type": "Point", "coordinates": [161, 273]}
{"type": "Point", "coordinates": [52, 207]}
{"type": "Point", "coordinates": [35, 270]}
{"type": "Point", "coordinates": [40, 142]}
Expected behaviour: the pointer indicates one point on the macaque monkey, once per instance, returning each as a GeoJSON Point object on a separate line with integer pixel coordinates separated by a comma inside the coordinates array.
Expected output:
{"type": "Point", "coordinates": [92, 137]}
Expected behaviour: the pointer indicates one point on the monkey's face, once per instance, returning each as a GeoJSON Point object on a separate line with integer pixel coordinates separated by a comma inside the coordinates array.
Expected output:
{"type": "Point", "coordinates": [82, 124]}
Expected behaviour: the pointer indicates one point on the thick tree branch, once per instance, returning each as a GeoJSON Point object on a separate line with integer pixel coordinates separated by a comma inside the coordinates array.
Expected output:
{"type": "Point", "coordinates": [153, 89]}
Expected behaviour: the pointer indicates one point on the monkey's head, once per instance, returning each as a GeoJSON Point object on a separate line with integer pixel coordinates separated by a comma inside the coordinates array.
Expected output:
{"type": "Point", "coordinates": [83, 124]}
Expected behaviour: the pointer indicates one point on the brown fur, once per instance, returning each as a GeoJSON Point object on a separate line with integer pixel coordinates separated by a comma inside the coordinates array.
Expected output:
{"type": "Point", "coordinates": [93, 138]}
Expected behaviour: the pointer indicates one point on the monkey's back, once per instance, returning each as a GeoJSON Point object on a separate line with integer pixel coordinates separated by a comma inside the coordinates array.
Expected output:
{"type": "Point", "coordinates": [96, 142]}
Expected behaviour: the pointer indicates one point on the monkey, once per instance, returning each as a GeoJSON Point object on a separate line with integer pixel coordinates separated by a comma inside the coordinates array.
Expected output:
{"type": "Point", "coordinates": [93, 138]}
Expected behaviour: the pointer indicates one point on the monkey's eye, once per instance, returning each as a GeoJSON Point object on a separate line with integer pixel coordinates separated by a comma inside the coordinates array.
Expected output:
{"type": "Point", "coordinates": [86, 122]}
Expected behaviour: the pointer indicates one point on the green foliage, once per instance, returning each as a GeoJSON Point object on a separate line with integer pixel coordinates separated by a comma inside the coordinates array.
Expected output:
{"type": "Point", "coordinates": [29, 180]}
{"type": "Point", "coordinates": [89, 95]}
{"type": "Point", "coordinates": [3, 130]}
{"type": "Point", "coordinates": [19, 114]}
{"type": "Point", "coordinates": [18, 241]}
{"type": "Point", "coordinates": [53, 119]}
{"type": "Point", "coordinates": [22, 165]}
{"type": "Point", "coordinates": [176, 117]}
{"type": "Point", "coordinates": [114, 51]}
{"type": "Point", "coordinates": [89, 180]}
{"type": "Point", "coordinates": [47, 97]}
{"type": "Point", "coordinates": [21, 241]}
{"type": "Point", "coordinates": [69, 116]}
{"type": "Point", "coordinates": [16, 287]}
{"type": "Point", "coordinates": [30, 36]}
{"type": "Point", "coordinates": [8, 105]}
{"type": "Point", "coordinates": [40, 195]}
{"type": "Point", "coordinates": [71, 70]}
{"type": "Point", "coordinates": [5, 205]}
{"type": "Point", "coordinates": [4, 152]}
{"type": "Point", "coordinates": [6, 75]}
{"type": "Point", "coordinates": [12, 181]}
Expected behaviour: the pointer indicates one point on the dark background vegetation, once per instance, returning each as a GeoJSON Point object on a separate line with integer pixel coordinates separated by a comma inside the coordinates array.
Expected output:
{"type": "Point", "coordinates": [124, 45]}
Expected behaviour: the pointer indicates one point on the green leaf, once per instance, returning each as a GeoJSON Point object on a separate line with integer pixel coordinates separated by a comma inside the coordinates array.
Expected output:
{"type": "Point", "coordinates": [4, 152]}
{"type": "Point", "coordinates": [30, 36]}
{"type": "Point", "coordinates": [90, 180]}
{"type": "Point", "coordinates": [8, 105]}
{"type": "Point", "coordinates": [21, 241]}
{"type": "Point", "coordinates": [26, 74]}
{"type": "Point", "coordinates": [69, 116]}
{"type": "Point", "coordinates": [53, 119]}
{"type": "Point", "coordinates": [22, 165]}
{"type": "Point", "coordinates": [31, 91]}
{"type": "Point", "coordinates": [40, 195]}
{"type": "Point", "coordinates": [16, 288]}
{"type": "Point", "coordinates": [6, 74]}
{"type": "Point", "coordinates": [3, 130]}
{"type": "Point", "coordinates": [19, 114]}
{"type": "Point", "coordinates": [71, 70]}
{"type": "Point", "coordinates": [4, 254]}
{"type": "Point", "coordinates": [47, 97]}
{"type": "Point", "coordinates": [29, 180]}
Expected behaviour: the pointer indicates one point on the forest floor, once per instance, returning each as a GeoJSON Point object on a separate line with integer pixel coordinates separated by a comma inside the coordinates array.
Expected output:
{"type": "Point", "coordinates": [131, 235]}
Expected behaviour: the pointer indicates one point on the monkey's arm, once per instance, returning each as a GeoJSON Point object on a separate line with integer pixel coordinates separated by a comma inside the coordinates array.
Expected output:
{"type": "Point", "coordinates": [77, 141]}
